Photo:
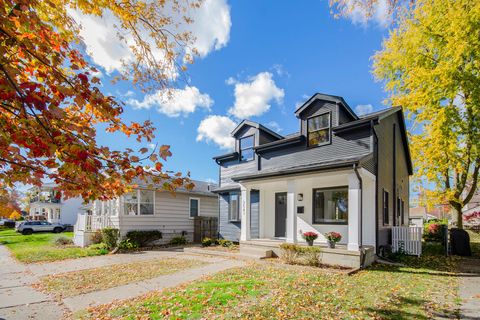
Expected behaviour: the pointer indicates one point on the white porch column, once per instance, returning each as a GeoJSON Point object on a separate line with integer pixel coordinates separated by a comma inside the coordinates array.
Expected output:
{"type": "Point", "coordinates": [245, 212]}
{"type": "Point", "coordinates": [354, 203]}
{"type": "Point", "coordinates": [291, 232]}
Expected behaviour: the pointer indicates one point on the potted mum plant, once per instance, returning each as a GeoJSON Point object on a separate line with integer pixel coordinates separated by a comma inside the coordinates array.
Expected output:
{"type": "Point", "coordinates": [333, 237]}
{"type": "Point", "coordinates": [310, 236]}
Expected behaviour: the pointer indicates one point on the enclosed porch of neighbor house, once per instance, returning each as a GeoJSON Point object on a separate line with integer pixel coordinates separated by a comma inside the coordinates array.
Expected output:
{"type": "Point", "coordinates": [280, 209]}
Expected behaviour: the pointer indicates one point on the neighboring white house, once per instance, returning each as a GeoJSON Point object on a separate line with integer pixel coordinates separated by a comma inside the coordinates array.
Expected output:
{"type": "Point", "coordinates": [146, 208]}
{"type": "Point", "coordinates": [47, 203]}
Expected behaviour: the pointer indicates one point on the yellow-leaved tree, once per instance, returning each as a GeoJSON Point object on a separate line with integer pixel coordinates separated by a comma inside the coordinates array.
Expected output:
{"type": "Point", "coordinates": [430, 64]}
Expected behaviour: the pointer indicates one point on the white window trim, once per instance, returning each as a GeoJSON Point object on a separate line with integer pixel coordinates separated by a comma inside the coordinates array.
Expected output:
{"type": "Point", "coordinates": [122, 204]}
{"type": "Point", "coordinates": [190, 207]}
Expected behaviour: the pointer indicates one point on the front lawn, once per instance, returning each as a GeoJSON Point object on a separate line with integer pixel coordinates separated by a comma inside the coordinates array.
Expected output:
{"type": "Point", "coordinates": [274, 291]}
{"type": "Point", "coordinates": [84, 281]}
{"type": "Point", "coordinates": [40, 247]}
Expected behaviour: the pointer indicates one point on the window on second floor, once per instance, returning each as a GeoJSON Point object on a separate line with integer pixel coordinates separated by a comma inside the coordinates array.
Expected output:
{"type": "Point", "coordinates": [318, 130]}
{"type": "Point", "coordinates": [246, 148]}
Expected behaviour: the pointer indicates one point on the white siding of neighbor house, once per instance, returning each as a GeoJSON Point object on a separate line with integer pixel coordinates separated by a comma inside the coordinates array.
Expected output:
{"type": "Point", "coordinates": [171, 215]}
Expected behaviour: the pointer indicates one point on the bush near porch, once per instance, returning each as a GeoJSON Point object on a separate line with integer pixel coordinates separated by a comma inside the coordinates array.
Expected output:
{"type": "Point", "coordinates": [40, 247]}
{"type": "Point", "coordinates": [273, 291]}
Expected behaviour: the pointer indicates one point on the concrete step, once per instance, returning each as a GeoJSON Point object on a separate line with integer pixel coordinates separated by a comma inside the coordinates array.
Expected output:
{"type": "Point", "coordinates": [249, 250]}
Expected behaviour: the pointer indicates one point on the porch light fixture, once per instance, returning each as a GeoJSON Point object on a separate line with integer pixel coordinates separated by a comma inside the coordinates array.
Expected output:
{"type": "Point", "coordinates": [300, 197]}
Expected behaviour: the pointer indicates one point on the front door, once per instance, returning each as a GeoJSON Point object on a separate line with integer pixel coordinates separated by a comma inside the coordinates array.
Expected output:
{"type": "Point", "coordinates": [280, 214]}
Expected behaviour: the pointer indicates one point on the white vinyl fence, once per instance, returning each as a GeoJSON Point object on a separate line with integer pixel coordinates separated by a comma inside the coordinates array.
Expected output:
{"type": "Point", "coordinates": [408, 239]}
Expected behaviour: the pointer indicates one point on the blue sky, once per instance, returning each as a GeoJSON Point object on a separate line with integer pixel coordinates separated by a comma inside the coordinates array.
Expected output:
{"type": "Point", "coordinates": [267, 53]}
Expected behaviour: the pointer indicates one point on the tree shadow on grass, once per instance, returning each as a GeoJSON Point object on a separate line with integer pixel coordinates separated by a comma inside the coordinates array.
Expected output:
{"type": "Point", "coordinates": [406, 310]}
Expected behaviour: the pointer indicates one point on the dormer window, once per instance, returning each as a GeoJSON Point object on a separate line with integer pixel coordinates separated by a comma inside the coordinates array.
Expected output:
{"type": "Point", "coordinates": [318, 130]}
{"type": "Point", "coordinates": [246, 148]}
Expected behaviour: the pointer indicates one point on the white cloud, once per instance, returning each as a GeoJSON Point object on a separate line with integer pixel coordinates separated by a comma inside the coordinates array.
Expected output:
{"type": "Point", "coordinates": [211, 26]}
{"type": "Point", "coordinates": [152, 146]}
{"type": "Point", "coordinates": [217, 129]}
{"type": "Point", "coordinates": [174, 102]}
{"type": "Point", "coordinates": [210, 29]}
{"type": "Point", "coordinates": [360, 15]}
{"type": "Point", "coordinates": [280, 70]}
{"type": "Point", "coordinates": [362, 109]}
{"type": "Point", "coordinates": [274, 126]}
{"type": "Point", "coordinates": [252, 98]}
{"type": "Point", "coordinates": [231, 81]}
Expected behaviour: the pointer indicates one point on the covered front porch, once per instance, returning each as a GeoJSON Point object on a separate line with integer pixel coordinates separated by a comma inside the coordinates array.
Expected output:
{"type": "Point", "coordinates": [280, 209]}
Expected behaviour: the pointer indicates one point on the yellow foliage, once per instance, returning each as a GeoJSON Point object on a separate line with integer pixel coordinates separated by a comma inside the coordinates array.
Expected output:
{"type": "Point", "coordinates": [430, 65]}
{"type": "Point", "coordinates": [15, 215]}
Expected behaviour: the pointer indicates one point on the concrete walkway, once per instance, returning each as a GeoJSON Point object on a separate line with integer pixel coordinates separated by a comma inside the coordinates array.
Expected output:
{"type": "Point", "coordinates": [19, 300]}
{"type": "Point", "coordinates": [469, 289]}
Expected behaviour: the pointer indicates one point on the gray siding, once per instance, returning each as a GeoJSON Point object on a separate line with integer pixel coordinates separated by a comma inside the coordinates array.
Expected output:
{"type": "Point", "coordinates": [343, 146]}
{"type": "Point", "coordinates": [171, 215]}
{"type": "Point", "coordinates": [385, 175]}
{"type": "Point", "coordinates": [370, 165]}
{"type": "Point", "coordinates": [254, 214]}
{"type": "Point", "coordinates": [227, 229]}
{"type": "Point", "coordinates": [319, 107]}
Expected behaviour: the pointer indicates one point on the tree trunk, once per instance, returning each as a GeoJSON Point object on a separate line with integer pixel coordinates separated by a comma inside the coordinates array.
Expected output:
{"type": "Point", "coordinates": [459, 218]}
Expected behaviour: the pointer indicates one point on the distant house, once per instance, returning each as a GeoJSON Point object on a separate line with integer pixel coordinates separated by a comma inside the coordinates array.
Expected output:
{"type": "Point", "coordinates": [419, 215]}
{"type": "Point", "coordinates": [149, 208]}
{"type": "Point", "coordinates": [47, 203]}
{"type": "Point", "coordinates": [340, 172]}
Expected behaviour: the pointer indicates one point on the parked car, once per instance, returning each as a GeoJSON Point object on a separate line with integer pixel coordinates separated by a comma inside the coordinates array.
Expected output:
{"type": "Point", "coordinates": [29, 227]}
{"type": "Point", "coordinates": [8, 223]}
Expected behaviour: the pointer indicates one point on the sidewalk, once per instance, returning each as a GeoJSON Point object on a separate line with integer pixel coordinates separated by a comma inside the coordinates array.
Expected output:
{"type": "Point", "coordinates": [18, 300]}
{"type": "Point", "coordinates": [469, 289]}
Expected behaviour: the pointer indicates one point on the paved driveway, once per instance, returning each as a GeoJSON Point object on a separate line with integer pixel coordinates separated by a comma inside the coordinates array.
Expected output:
{"type": "Point", "coordinates": [18, 300]}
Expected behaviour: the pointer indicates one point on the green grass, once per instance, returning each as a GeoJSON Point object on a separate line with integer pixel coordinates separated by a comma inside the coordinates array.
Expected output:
{"type": "Point", "coordinates": [40, 247]}
{"type": "Point", "coordinates": [273, 291]}
{"type": "Point", "coordinates": [84, 281]}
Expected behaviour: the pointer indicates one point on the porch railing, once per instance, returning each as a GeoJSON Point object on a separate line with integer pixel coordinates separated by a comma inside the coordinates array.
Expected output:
{"type": "Point", "coordinates": [89, 223]}
{"type": "Point", "coordinates": [408, 239]}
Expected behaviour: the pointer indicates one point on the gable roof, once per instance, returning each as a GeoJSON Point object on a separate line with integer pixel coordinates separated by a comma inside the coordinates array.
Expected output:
{"type": "Point", "coordinates": [326, 97]}
{"type": "Point", "coordinates": [257, 126]}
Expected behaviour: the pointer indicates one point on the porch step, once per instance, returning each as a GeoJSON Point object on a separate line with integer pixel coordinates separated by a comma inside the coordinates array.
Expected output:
{"type": "Point", "coordinates": [255, 252]}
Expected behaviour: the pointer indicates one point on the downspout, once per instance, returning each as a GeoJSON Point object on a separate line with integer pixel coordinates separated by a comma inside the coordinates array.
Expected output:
{"type": "Point", "coordinates": [360, 220]}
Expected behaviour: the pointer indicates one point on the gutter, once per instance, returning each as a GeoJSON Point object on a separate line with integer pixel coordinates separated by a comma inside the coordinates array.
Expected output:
{"type": "Point", "coordinates": [360, 218]}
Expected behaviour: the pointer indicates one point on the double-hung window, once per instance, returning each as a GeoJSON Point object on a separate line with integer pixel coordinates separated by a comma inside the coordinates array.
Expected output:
{"type": "Point", "coordinates": [318, 130]}
{"type": "Point", "coordinates": [234, 207]}
{"type": "Point", "coordinates": [139, 202]}
{"type": "Point", "coordinates": [330, 206]}
{"type": "Point", "coordinates": [246, 148]}
{"type": "Point", "coordinates": [194, 207]}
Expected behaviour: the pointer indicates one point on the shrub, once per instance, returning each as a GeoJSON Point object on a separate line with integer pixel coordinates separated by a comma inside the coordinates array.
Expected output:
{"type": "Point", "coordinates": [434, 230]}
{"type": "Point", "coordinates": [207, 242]}
{"type": "Point", "coordinates": [63, 241]}
{"type": "Point", "coordinates": [310, 255]}
{"type": "Point", "coordinates": [289, 252]}
{"type": "Point", "coordinates": [176, 241]}
{"type": "Point", "coordinates": [101, 247]}
{"type": "Point", "coordinates": [295, 254]}
{"type": "Point", "coordinates": [225, 243]}
{"type": "Point", "coordinates": [97, 237]}
{"type": "Point", "coordinates": [143, 237]}
{"type": "Point", "coordinates": [127, 244]}
{"type": "Point", "coordinates": [110, 237]}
